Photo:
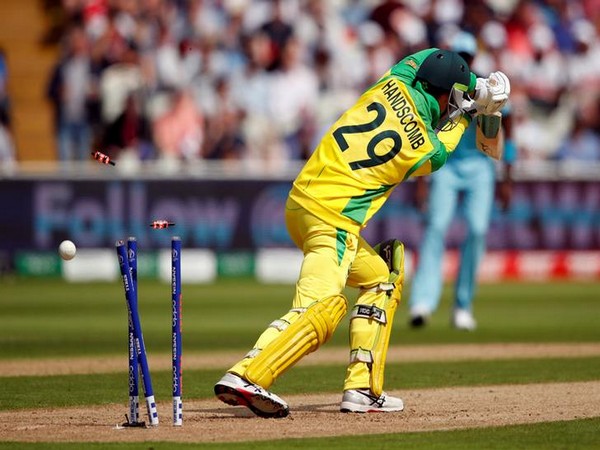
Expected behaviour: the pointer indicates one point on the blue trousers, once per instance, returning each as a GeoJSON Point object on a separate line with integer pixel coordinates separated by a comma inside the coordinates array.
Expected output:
{"type": "Point", "coordinates": [475, 179]}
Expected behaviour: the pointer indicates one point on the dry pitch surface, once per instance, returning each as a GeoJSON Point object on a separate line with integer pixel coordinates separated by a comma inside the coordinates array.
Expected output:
{"type": "Point", "coordinates": [316, 414]}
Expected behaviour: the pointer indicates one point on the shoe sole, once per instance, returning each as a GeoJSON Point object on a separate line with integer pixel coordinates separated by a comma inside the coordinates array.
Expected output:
{"type": "Point", "coordinates": [361, 410]}
{"type": "Point", "coordinates": [259, 404]}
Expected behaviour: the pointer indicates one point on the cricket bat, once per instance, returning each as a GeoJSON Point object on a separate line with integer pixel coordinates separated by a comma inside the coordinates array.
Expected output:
{"type": "Point", "coordinates": [489, 136]}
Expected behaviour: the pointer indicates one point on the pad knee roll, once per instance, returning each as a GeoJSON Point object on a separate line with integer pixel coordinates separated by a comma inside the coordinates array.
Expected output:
{"type": "Point", "coordinates": [311, 330]}
{"type": "Point", "coordinates": [392, 252]}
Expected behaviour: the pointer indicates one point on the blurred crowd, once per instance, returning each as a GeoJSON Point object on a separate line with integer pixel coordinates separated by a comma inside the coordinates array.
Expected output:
{"type": "Point", "coordinates": [260, 80]}
{"type": "Point", "coordinates": [7, 146]}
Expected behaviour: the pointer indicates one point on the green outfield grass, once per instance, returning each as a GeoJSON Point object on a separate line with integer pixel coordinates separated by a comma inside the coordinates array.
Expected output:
{"type": "Point", "coordinates": [48, 318]}
{"type": "Point", "coordinates": [44, 318]}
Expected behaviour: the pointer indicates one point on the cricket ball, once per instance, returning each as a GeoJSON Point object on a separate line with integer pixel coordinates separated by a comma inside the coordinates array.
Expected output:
{"type": "Point", "coordinates": [67, 250]}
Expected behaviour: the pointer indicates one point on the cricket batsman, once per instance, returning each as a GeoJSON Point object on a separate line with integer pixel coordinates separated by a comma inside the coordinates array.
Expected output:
{"type": "Point", "coordinates": [404, 125]}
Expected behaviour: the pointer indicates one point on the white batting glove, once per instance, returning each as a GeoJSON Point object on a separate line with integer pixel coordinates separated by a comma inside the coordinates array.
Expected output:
{"type": "Point", "coordinates": [491, 94]}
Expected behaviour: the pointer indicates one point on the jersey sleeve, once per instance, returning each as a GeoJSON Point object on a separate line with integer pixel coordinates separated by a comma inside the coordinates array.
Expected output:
{"type": "Point", "coordinates": [450, 138]}
{"type": "Point", "coordinates": [444, 143]}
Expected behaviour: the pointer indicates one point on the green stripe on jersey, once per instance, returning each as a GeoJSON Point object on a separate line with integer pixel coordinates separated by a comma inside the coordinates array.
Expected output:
{"type": "Point", "coordinates": [423, 160]}
{"type": "Point", "coordinates": [356, 209]}
{"type": "Point", "coordinates": [341, 244]}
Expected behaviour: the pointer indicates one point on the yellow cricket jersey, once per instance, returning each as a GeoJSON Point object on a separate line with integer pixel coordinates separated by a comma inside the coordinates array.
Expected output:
{"type": "Point", "coordinates": [385, 138]}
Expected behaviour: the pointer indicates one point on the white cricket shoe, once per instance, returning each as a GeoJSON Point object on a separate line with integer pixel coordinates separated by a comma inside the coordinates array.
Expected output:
{"type": "Point", "coordinates": [237, 391]}
{"type": "Point", "coordinates": [362, 401]}
{"type": "Point", "coordinates": [462, 319]}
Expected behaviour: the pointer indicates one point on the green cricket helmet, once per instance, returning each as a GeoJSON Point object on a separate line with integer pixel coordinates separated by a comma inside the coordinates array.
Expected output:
{"type": "Point", "coordinates": [442, 70]}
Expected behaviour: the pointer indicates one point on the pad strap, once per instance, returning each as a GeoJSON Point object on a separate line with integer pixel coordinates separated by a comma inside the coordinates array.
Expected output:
{"type": "Point", "coordinates": [282, 324]}
{"type": "Point", "coordinates": [369, 312]}
{"type": "Point", "coordinates": [279, 325]}
{"type": "Point", "coordinates": [361, 355]}
{"type": "Point", "coordinates": [381, 287]}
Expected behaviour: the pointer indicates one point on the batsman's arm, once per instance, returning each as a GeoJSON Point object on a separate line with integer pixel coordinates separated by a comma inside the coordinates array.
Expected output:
{"type": "Point", "coordinates": [489, 136]}
{"type": "Point", "coordinates": [505, 187]}
{"type": "Point", "coordinates": [451, 136]}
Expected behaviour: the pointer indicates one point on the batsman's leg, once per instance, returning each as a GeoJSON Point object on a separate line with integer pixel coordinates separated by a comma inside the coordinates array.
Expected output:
{"type": "Point", "coordinates": [317, 309]}
{"type": "Point", "coordinates": [312, 329]}
{"type": "Point", "coordinates": [379, 274]}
